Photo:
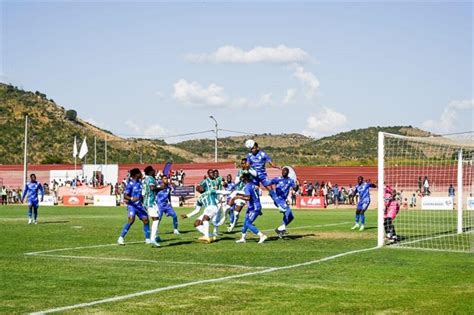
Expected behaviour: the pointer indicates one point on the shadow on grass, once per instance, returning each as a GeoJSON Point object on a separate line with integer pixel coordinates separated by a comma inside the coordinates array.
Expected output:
{"type": "Point", "coordinates": [291, 237]}
{"type": "Point", "coordinates": [53, 222]}
{"type": "Point", "coordinates": [179, 243]}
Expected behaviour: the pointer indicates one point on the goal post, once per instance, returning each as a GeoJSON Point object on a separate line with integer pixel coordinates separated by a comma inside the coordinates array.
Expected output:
{"type": "Point", "coordinates": [380, 190]}
{"type": "Point", "coordinates": [425, 192]}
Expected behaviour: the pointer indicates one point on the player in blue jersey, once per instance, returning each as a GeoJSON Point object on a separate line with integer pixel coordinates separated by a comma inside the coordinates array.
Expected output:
{"type": "Point", "coordinates": [163, 199]}
{"type": "Point", "coordinates": [134, 199]}
{"type": "Point", "coordinates": [32, 189]}
{"type": "Point", "coordinates": [362, 189]}
{"type": "Point", "coordinates": [258, 159]}
{"type": "Point", "coordinates": [239, 204]}
{"type": "Point", "coordinates": [254, 210]}
{"type": "Point", "coordinates": [283, 185]}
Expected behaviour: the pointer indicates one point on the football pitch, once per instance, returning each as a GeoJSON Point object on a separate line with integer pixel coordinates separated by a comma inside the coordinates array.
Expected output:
{"type": "Point", "coordinates": [69, 262]}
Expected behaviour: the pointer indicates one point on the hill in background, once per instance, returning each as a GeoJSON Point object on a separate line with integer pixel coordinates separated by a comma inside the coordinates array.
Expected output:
{"type": "Point", "coordinates": [355, 147]}
{"type": "Point", "coordinates": [51, 134]}
{"type": "Point", "coordinates": [51, 137]}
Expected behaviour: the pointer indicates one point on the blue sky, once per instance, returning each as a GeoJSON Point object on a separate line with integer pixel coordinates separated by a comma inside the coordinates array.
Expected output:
{"type": "Point", "coordinates": [157, 68]}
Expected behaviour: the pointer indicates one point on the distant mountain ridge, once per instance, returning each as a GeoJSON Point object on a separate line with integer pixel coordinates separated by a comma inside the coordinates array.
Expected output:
{"type": "Point", "coordinates": [51, 137]}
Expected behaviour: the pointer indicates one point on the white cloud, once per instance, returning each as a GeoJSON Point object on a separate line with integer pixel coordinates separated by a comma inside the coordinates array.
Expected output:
{"type": "Point", "coordinates": [266, 99]}
{"type": "Point", "coordinates": [324, 122]}
{"type": "Point", "coordinates": [194, 93]}
{"type": "Point", "coordinates": [135, 128]}
{"type": "Point", "coordinates": [3, 78]}
{"type": "Point", "coordinates": [232, 54]}
{"type": "Point", "coordinates": [290, 96]}
{"type": "Point", "coordinates": [96, 123]}
{"type": "Point", "coordinates": [150, 131]}
{"type": "Point", "coordinates": [155, 131]}
{"type": "Point", "coordinates": [449, 119]}
{"type": "Point", "coordinates": [309, 80]}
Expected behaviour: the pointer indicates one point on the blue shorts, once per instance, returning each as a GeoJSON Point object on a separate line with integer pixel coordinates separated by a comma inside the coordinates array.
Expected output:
{"type": "Point", "coordinates": [138, 211]}
{"type": "Point", "coordinates": [33, 203]}
{"type": "Point", "coordinates": [281, 204]}
{"type": "Point", "coordinates": [261, 178]}
{"type": "Point", "coordinates": [251, 216]}
{"type": "Point", "coordinates": [167, 210]}
{"type": "Point", "coordinates": [363, 204]}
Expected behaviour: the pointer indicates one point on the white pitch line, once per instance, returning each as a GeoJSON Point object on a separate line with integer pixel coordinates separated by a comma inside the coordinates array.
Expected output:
{"type": "Point", "coordinates": [312, 226]}
{"type": "Point", "coordinates": [188, 284]}
{"type": "Point", "coordinates": [75, 248]}
{"type": "Point", "coordinates": [115, 244]}
{"type": "Point", "coordinates": [401, 245]}
{"type": "Point", "coordinates": [46, 218]}
{"type": "Point", "coordinates": [151, 261]}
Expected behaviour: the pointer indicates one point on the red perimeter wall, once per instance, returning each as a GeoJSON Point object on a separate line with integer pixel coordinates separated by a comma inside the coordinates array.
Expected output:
{"type": "Point", "coordinates": [441, 176]}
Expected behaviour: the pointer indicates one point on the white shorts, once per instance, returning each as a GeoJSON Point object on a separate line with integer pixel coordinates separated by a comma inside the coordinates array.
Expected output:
{"type": "Point", "coordinates": [238, 202]}
{"type": "Point", "coordinates": [216, 215]}
{"type": "Point", "coordinates": [211, 211]}
{"type": "Point", "coordinates": [152, 211]}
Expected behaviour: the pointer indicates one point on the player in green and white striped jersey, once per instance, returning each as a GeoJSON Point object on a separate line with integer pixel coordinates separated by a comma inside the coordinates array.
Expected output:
{"type": "Point", "coordinates": [208, 182]}
{"type": "Point", "coordinates": [208, 200]}
{"type": "Point", "coordinates": [149, 202]}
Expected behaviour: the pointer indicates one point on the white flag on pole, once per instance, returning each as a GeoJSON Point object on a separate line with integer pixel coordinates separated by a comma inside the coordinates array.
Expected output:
{"type": "Point", "coordinates": [84, 149]}
{"type": "Point", "coordinates": [74, 150]}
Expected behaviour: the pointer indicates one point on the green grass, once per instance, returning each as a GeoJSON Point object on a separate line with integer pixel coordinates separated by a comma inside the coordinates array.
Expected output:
{"type": "Point", "coordinates": [377, 281]}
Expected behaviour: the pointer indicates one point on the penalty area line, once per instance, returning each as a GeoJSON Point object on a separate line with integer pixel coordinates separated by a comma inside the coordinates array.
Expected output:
{"type": "Point", "coordinates": [150, 261]}
{"type": "Point", "coordinates": [205, 281]}
{"type": "Point", "coordinates": [115, 244]}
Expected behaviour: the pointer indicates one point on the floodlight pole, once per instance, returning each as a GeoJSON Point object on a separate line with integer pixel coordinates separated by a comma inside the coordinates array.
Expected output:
{"type": "Point", "coordinates": [25, 153]}
{"type": "Point", "coordinates": [215, 142]}
{"type": "Point", "coordinates": [105, 151]}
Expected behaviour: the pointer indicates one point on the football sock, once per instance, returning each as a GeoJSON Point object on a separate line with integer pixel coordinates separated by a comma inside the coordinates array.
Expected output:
{"type": "Point", "coordinates": [205, 226]}
{"type": "Point", "coordinates": [146, 230]}
{"type": "Point", "coordinates": [125, 229]}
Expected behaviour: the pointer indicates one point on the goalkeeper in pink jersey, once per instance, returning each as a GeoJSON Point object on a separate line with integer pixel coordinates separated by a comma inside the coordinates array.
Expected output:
{"type": "Point", "coordinates": [392, 206]}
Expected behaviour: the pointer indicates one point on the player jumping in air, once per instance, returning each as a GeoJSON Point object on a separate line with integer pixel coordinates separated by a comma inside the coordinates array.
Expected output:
{"type": "Point", "coordinates": [254, 209]}
{"type": "Point", "coordinates": [283, 186]}
{"type": "Point", "coordinates": [32, 189]}
{"type": "Point", "coordinates": [362, 189]}
{"type": "Point", "coordinates": [164, 202]}
{"type": "Point", "coordinates": [257, 159]}
{"type": "Point", "coordinates": [133, 196]}
{"type": "Point", "coordinates": [150, 188]}
{"type": "Point", "coordinates": [392, 207]}
{"type": "Point", "coordinates": [238, 189]}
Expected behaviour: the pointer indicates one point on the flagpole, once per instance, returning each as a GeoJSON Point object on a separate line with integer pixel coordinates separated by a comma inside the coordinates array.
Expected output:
{"type": "Point", "coordinates": [75, 156]}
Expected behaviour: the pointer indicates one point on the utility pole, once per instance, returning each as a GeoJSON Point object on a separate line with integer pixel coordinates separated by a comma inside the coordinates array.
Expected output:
{"type": "Point", "coordinates": [25, 153]}
{"type": "Point", "coordinates": [105, 150]}
{"type": "Point", "coordinates": [215, 142]}
{"type": "Point", "coordinates": [95, 150]}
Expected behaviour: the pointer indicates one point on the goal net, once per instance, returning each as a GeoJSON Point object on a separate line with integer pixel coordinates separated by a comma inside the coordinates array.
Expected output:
{"type": "Point", "coordinates": [425, 192]}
